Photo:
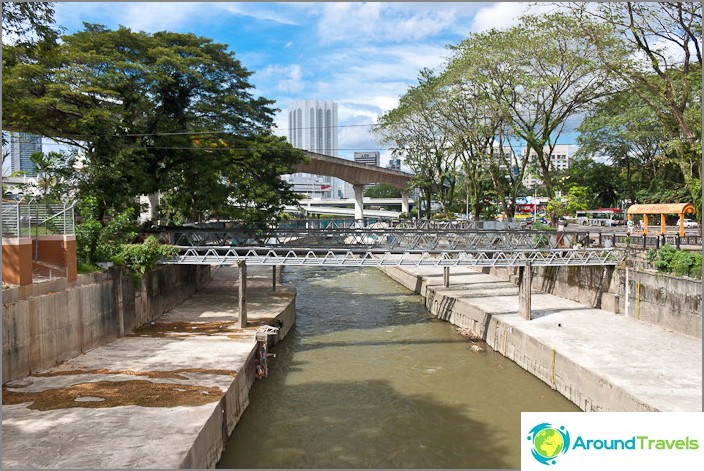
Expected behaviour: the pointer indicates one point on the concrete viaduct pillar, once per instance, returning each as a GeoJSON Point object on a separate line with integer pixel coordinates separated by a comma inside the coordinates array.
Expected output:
{"type": "Point", "coordinates": [405, 208]}
{"type": "Point", "coordinates": [358, 202]}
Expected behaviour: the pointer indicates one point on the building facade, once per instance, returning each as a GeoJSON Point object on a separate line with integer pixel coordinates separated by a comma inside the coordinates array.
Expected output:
{"type": "Point", "coordinates": [22, 146]}
{"type": "Point", "coordinates": [368, 158]}
{"type": "Point", "coordinates": [559, 160]}
{"type": "Point", "coordinates": [312, 126]}
{"type": "Point", "coordinates": [394, 164]}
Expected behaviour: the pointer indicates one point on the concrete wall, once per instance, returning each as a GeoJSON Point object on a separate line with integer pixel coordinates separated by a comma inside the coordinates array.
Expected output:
{"type": "Point", "coordinates": [577, 383]}
{"type": "Point", "coordinates": [213, 437]}
{"type": "Point", "coordinates": [671, 302]}
{"type": "Point", "coordinates": [47, 323]}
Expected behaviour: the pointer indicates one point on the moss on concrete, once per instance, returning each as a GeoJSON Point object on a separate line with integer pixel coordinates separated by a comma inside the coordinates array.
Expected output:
{"type": "Point", "coordinates": [105, 394]}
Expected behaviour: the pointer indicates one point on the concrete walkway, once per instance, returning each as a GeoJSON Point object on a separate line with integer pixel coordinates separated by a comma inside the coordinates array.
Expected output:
{"type": "Point", "coordinates": [167, 396]}
{"type": "Point", "coordinates": [599, 360]}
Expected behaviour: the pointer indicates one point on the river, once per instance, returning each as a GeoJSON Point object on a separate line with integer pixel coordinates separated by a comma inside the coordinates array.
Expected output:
{"type": "Point", "coordinates": [368, 379]}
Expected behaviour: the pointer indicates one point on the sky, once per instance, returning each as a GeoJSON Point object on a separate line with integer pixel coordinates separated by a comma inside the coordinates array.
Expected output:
{"type": "Point", "coordinates": [363, 56]}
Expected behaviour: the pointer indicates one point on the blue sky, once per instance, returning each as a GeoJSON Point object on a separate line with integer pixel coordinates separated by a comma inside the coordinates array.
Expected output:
{"type": "Point", "coordinates": [363, 56]}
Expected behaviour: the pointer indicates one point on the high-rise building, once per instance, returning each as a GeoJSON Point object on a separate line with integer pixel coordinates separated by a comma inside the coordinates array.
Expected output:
{"type": "Point", "coordinates": [312, 126]}
{"type": "Point", "coordinates": [369, 158]}
{"type": "Point", "coordinates": [559, 160]}
{"type": "Point", "coordinates": [395, 163]}
{"type": "Point", "coordinates": [22, 146]}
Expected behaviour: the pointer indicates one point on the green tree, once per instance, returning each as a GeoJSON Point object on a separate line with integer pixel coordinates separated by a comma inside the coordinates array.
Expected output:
{"type": "Point", "coordinates": [575, 200]}
{"type": "Point", "coordinates": [26, 22]}
{"type": "Point", "coordinates": [625, 130]}
{"type": "Point", "coordinates": [480, 128]}
{"type": "Point", "coordinates": [382, 190]}
{"type": "Point", "coordinates": [541, 74]}
{"type": "Point", "coordinates": [163, 112]}
{"type": "Point", "coordinates": [665, 73]}
{"type": "Point", "coordinates": [419, 133]}
{"type": "Point", "coordinates": [601, 181]}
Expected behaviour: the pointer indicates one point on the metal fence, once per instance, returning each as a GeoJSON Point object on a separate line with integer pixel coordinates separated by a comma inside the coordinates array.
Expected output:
{"type": "Point", "coordinates": [31, 219]}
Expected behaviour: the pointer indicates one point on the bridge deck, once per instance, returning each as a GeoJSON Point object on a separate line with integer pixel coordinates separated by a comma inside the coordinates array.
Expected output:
{"type": "Point", "coordinates": [371, 258]}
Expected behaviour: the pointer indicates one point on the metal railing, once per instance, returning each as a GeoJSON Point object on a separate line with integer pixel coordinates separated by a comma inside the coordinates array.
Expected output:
{"type": "Point", "coordinates": [387, 239]}
{"type": "Point", "coordinates": [31, 219]}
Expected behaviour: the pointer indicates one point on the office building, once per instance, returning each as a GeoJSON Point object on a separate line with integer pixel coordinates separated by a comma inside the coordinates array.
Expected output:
{"type": "Point", "coordinates": [394, 163]}
{"type": "Point", "coordinates": [368, 158]}
{"type": "Point", "coordinates": [22, 146]}
{"type": "Point", "coordinates": [559, 161]}
{"type": "Point", "coordinates": [312, 126]}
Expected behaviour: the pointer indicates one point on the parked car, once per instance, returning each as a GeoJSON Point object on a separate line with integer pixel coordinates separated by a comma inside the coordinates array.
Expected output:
{"type": "Point", "coordinates": [690, 223]}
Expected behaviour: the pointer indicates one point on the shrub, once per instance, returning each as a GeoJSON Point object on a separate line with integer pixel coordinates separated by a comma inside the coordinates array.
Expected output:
{"type": "Point", "coordinates": [142, 257]}
{"type": "Point", "coordinates": [678, 262]}
{"type": "Point", "coordinates": [695, 271]}
{"type": "Point", "coordinates": [664, 258]}
{"type": "Point", "coordinates": [681, 263]}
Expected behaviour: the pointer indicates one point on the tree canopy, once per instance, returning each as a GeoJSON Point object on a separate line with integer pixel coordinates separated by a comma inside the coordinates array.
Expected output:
{"type": "Point", "coordinates": [165, 112]}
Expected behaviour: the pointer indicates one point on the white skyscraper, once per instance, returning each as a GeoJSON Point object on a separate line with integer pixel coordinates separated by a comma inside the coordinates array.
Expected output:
{"type": "Point", "coordinates": [312, 125]}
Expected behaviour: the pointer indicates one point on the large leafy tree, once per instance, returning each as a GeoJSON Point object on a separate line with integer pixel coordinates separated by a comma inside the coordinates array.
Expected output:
{"type": "Point", "coordinates": [541, 73]}
{"type": "Point", "coordinates": [26, 23]}
{"type": "Point", "coordinates": [420, 133]}
{"type": "Point", "coordinates": [654, 49]}
{"type": "Point", "coordinates": [164, 112]}
{"type": "Point", "coordinates": [480, 128]}
{"type": "Point", "coordinates": [626, 131]}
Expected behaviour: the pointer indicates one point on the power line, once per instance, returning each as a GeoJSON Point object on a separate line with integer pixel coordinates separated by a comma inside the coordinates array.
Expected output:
{"type": "Point", "coordinates": [228, 132]}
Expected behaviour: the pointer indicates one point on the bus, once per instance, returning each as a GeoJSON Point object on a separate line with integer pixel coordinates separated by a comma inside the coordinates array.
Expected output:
{"type": "Point", "coordinates": [601, 217]}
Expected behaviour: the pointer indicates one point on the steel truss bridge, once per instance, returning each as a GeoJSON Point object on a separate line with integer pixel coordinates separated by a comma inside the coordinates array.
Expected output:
{"type": "Point", "coordinates": [357, 247]}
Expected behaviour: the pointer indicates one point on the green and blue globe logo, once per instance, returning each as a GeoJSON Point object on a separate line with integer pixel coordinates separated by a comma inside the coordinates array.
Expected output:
{"type": "Point", "coordinates": [548, 442]}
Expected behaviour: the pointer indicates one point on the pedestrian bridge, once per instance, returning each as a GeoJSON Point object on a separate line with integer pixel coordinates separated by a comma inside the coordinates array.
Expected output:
{"type": "Point", "coordinates": [354, 247]}
{"type": "Point", "coordinates": [385, 246]}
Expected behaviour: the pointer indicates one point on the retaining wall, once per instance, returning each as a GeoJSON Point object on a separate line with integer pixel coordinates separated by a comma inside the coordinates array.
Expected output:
{"type": "Point", "coordinates": [46, 323]}
{"type": "Point", "coordinates": [668, 301]}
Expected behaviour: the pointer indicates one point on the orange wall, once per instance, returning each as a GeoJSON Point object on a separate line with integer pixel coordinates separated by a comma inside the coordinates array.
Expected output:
{"type": "Point", "coordinates": [17, 261]}
{"type": "Point", "coordinates": [59, 251]}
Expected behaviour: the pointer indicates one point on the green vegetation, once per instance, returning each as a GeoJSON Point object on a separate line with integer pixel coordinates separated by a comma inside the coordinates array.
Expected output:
{"type": "Point", "coordinates": [456, 126]}
{"type": "Point", "coordinates": [678, 262]}
{"type": "Point", "coordinates": [382, 190]}
{"type": "Point", "coordinates": [164, 112]}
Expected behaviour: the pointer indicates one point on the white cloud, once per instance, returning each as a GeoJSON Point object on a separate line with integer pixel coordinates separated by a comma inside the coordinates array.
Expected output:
{"type": "Point", "coordinates": [285, 78]}
{"type": "Point", "coordinates": [257, 11]}
{"type": "Point", "coordinates": [151, 17]}
{"type": "Point", "coordinates": [388, 21]}
{"type": "Point", "coordinates": [501, 15]}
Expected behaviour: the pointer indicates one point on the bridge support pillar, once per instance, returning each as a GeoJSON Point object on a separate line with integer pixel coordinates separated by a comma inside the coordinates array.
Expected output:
{"type": "Point", "coordinates": [524, 282]}
{"type": "Point", "coordinates": [242, 300]}
{"type": "Point", "coordinates": [446, 277]}
{"type": "Point", "coordinates": [273, 277]}
{"type": "Point", "coordinates": [359, 203]}
{"type": "Point", "coordinates": [405, 207]}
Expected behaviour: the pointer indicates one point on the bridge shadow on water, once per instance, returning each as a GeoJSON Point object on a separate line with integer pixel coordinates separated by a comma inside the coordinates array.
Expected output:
{"type": "Point", "coordinates": [299, 421]}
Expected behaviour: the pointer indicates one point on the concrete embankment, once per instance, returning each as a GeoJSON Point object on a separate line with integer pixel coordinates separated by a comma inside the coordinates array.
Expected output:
{"type": "Point", "coordinates": [598, 360]}
{"type": "Point", "coordinates": [166, 396]}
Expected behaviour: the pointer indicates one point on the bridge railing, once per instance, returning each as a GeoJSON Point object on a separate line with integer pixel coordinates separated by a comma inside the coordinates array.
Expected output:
{"type": "Point", "coordinates": [387, 239]}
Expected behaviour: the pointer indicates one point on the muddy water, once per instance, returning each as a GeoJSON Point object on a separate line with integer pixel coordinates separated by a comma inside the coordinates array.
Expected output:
{"type": "Point", "coordinates": [367, 379]}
